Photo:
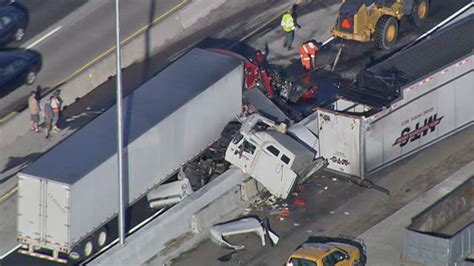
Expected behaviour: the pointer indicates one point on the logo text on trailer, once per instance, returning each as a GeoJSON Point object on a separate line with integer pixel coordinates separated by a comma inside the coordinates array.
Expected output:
{"type": "Point", "coordinates": [409, 135]}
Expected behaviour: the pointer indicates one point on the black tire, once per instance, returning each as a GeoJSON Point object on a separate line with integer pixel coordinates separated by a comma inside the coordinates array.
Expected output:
{"type": "Point", "coordinates": [386, 32]}
{"type": "Point", "coordinates": [101, 237]}
{"type": "Point", "coordinates": [419, 12]}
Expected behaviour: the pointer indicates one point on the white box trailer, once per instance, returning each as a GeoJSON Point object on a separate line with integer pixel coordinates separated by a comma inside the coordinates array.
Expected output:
{"type": "Point", "coordinates": [67, 196]}
{"type": "Point", "coordinates": [363, 134]}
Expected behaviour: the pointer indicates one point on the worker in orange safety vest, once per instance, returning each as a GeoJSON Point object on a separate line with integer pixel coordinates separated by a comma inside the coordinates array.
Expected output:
{"type": "Point", "coordinates": [308, 51]}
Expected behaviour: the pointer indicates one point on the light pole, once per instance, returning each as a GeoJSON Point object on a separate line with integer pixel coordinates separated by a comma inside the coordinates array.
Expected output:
{"type": "Point", "coordinates": [122, 205]}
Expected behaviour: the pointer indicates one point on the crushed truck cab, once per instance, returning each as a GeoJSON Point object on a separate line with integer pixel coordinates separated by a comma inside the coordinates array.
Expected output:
{"type": "Point", "coordinates": [273, 155]}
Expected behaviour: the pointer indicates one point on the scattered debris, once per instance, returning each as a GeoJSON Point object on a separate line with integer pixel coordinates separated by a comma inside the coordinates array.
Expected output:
{"type": "Point", "coordinates": [273, 237]}
{"type": "Point", "coordinates": [227, 257]}
{"type": "Point", "coordinates": [274, 212]}
{"type": "Point", "coordinates": [301, 188]}
{"type": "Point", "coordinates": [241, 226]}
{"type": "Point", "coordinates": [334, 179]}
{"type": "Point", "coordinates": [325, 187]}
{"type": "Point", "coordinates": [169, 194]}
{"type": "Point", "coordinates": [247, 211]}
{"type": "Point", "coordinates": [309, 231]}
{"type": "Point", "coordinates": [296, 224]}
{"type": "Point", "coordinates": [285, 212]}
{"type": "Point", "coordinates": [346, 213]}
{"type": "Point", "coordinates": [332, 212]}
{"type": "Point", "coordinates": [299, 202]}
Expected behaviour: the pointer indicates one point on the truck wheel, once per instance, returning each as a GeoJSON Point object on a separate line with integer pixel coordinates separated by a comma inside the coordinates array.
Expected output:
{"type": "Point", "coordinates": [419, 12]}
{"type": "Point", "coordinates": [87, 248]}
{"type": "Point", "coordinates": [386, 32]}
{"type": "Point", "coordinates": [102, 237]}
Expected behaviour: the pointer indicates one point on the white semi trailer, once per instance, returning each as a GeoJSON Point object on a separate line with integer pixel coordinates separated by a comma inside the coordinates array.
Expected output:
{"type": "Point", "coordinates": [67, 197]}
{"type": "Point", "coordinates": [375, 124]}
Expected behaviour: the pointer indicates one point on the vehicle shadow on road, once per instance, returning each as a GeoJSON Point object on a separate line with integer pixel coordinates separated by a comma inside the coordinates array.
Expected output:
{"type": "Point", "coordinates": [19, 162]}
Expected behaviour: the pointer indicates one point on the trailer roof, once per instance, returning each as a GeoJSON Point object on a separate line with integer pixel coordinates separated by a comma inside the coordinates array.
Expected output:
{"type": "Point", "coordinates": [145, 107]}
{"type": "Point", "coordinates": [381, 83]}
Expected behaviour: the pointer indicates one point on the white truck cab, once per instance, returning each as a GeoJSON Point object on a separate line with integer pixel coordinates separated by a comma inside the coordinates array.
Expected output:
{"type": "Point", "coordinates": [275, 158]}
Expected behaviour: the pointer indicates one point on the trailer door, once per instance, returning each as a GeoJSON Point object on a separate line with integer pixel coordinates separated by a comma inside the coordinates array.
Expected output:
{"type": "Point", "coordinates": [29, 209]}
{"type": "Point", "coordinates": [57, 214]}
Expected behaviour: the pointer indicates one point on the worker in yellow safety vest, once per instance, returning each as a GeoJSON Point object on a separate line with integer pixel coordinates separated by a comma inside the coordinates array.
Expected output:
{"type": "Point", "coordinates": [288, 23]}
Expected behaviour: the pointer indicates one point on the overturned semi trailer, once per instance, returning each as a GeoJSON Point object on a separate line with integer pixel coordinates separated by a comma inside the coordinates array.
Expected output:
{"type": "Point", "coordinates": [401, 105]}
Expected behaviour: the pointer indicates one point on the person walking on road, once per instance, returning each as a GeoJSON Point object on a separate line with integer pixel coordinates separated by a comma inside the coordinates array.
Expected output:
{"type": "Point", "coordinates": [48, 116]}
{"type": "Point", "coordinates": [34, 107]}
{"type": "Point", "coordinates": [289, 24]}
{"type": "Point", "coordinates": [56, 106]}
{"type": "Point", "coordinates": [308, 52]}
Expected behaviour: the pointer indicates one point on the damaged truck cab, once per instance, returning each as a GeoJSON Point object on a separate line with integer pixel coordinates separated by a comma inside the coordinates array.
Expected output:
{"type": "Point", "coordinates": [273, 155]}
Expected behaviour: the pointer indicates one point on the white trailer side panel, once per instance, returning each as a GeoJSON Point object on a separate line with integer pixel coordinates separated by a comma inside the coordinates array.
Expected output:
{"type": "Point", "coordinates": [444, 107]}
{"type": "Point", "coordinates": [159, 152]}
{"type": "Point", "coordinates": [167, 121]}
{"type": "Point", "coordinates": [340, 134]}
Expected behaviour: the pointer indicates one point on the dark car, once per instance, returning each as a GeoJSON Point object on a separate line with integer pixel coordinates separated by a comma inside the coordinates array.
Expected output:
{"type": "Point", "coordinates": [13, 21]}
{"type": "Point", "coordinates": [17, 67]}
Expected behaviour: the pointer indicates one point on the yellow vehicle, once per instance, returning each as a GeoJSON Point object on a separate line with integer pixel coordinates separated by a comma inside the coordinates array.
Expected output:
{"type": "Point", "coordinates": [329, 251]}
{"type": "Point", "coordinates": [377, 20]}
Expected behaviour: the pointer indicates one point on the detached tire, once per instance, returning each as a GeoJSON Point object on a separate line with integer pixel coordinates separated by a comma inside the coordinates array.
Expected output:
{"type": "Point", "coordinates": [419, 12]}
{"type": "Point", "coordinates": [386, 32]}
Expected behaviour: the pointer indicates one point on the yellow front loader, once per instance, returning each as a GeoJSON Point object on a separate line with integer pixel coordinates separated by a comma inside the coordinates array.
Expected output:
{"type": "Point", "coordinates": [377, 20]}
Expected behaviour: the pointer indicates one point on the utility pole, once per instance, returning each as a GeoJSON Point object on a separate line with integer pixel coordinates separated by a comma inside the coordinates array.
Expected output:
{"type": "Point", "coordinates": [122, 205]}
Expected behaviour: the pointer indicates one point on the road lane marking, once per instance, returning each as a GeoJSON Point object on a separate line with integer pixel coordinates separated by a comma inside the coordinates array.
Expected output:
{"type": "Point", "coordinates": [93, 61]}
{"type": "Point", "coordinates": [8, 117]}
{"type": "Point", "coordinates": [10, 251]}
{"type": "Point", "coordinates": [328, 41]}
{"type": "Point", "coordinates": [124, 41]}
{"type": "Point", "coordinates": [47, 35]}
{"type": "Point", "coordinates": [446, 21]}
{"type": "Point", "coordinates": [8, 194]}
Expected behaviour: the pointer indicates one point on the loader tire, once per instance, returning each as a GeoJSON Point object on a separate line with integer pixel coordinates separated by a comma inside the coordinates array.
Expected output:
{"type": "Point", "coordinates": [386, 32]}
{"type": "Point", "coordinates": [419, 12]}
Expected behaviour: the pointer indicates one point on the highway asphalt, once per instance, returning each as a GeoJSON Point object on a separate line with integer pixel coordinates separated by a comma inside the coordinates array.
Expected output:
{"type": "Point", "coordinates": [44, 13]}
{"type": "Point", "coordinates": [75, 42]}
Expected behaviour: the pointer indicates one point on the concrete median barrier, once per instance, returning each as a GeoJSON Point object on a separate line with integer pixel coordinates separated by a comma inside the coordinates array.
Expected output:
{"type": "Point", "coordinates": [183, 226]}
